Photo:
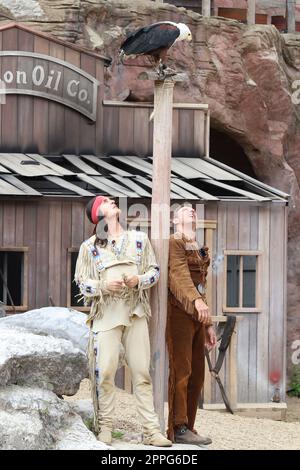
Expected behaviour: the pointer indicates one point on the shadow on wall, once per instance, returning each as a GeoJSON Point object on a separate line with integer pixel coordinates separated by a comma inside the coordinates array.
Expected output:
{"type": "Point", "coordinates": [226, 150]}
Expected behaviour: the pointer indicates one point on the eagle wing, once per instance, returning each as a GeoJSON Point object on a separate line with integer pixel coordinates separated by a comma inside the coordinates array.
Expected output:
{"type": "Point", "coordinates": [150, 38]}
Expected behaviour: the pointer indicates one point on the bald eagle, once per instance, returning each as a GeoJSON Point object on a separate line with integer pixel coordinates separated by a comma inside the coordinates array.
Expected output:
{"type": "Point", "coordinates": [155, 40]}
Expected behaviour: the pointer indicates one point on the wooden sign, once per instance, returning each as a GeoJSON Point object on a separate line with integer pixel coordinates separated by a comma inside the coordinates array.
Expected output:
{"type": "Point", "coordinates": [41, 75]}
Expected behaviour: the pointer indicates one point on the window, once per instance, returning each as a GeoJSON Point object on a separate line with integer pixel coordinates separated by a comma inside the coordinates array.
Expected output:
{"type": "Point", "coordinates": [73, 291]}
{"type": "Point", "coordinates": [13, 278]}
{"type": "Point", "coordinates": [241, 281]}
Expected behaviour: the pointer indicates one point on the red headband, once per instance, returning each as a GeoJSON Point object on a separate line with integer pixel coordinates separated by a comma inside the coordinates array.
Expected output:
{"type": "Point", "coordinates": [94, 212]}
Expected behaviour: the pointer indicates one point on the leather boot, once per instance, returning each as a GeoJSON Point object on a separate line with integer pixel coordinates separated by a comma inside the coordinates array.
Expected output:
{"type": "Point", "coordinates": [157, 439]}
{"type": "Point", "coordinates": [184, 436]}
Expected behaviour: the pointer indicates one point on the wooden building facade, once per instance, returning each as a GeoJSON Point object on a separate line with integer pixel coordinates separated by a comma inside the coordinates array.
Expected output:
{"type": "Point", "coordinates": [59, 147]}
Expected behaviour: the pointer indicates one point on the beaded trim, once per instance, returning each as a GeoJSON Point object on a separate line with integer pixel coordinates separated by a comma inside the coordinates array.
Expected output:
{"type": "Point", "coordinates": [147, 280]}
{"type": "Point", "coordinates": [114, 247]}
{"type": "Point", "coordinates": [96, 256]}
{"type": "Point", "coordinates": [139, 250]}
{"type": "Point", "coordinates": [85, 288]}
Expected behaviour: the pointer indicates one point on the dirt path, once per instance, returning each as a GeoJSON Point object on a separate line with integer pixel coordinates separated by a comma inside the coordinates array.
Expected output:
{"type": "Point", "coordinates": [227, 431]}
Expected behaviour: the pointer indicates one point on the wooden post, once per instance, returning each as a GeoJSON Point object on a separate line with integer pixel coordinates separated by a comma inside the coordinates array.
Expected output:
{"type": "Point", "coordinates": [290, 13]}
{"type": "Point", "coordinates": [160, 226]}
{"type": "Point", "coordinates": [206, 6]}
{"type": "Point", "coordinates": [160, 232]}
{"type": "Point", "coordinates": [251, 12]}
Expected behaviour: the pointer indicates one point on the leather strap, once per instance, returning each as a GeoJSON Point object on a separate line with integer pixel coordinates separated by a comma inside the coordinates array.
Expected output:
{"type": "Point", "coordinates": [224, 332]}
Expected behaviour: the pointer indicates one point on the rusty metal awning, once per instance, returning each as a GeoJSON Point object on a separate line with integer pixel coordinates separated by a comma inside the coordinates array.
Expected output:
{"type": "Point", "coordinates": [126, 176]}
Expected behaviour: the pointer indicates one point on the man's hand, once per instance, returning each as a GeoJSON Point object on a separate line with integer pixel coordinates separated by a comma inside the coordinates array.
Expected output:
{"type": "Point", "coordinates": [115, 286]}
{"type": "Point", "coordinates": [203, 311]}
{"type": "Point", "coordinates": [210, 338]}
{"type": "Point", "coordinates": [131, 281]}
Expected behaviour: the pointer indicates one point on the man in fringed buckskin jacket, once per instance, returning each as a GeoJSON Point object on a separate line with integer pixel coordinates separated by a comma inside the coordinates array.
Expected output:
{"type": "Point", "coordinates": [114, 272]}
{"type": "Point", "coordinates": [189, 328]}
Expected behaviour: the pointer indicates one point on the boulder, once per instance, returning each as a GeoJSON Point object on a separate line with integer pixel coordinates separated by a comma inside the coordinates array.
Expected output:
{"type": "Point", "coordinates": [37, 360]}
{"type": "Point", "coordinates": [60, 322]}
{"type": "Point", "coordinates": [85, 409]}
{"type": "Point", "coordinates": [36, 419]}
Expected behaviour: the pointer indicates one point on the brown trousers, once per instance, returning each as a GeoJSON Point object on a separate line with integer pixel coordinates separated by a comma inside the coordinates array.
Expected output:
{"type": "Point", "coordinates": [185, 339]}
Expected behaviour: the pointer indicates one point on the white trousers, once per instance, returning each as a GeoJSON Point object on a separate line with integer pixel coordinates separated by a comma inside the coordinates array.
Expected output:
{"type": "Point", "coordinates": [135, 339]}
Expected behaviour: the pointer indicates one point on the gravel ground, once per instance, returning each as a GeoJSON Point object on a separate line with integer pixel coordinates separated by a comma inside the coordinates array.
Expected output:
{"type": "Point", "coordinates": [226, 431]}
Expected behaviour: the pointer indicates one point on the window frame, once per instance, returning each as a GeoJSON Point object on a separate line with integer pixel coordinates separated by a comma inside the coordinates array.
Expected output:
{"type": "Point", "coordinates": [258, 287]}
{"type": "Point", "coordinates": [25, 250]}
{"type": "Point", "coordinates": [71, 250]}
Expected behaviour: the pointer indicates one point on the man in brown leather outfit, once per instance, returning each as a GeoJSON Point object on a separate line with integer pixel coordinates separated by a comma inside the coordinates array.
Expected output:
{"type": "Point", "coordinates": [189, 328]}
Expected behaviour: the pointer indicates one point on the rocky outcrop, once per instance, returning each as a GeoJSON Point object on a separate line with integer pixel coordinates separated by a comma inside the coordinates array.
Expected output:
{"type": "Point", "coordinates": [42, 361]}
{"type": "Point", "coordinates": [85, 409]}
{"type": "Point", "coordinates": [42, 357]}
{"type": "Point", "coordinates": [59, 322]}
{"type": "Point", "coordinates": [45, 348]}
{"type": "Point", "coordinates": [22, 8]}
{"type": "Point", "coordinates": [247, 75]}
{"type": "Point", "coordinates": [36, 419]}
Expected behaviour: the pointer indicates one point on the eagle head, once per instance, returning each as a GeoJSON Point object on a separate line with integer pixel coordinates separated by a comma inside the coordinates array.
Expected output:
{"type": "Point", "coordinates": [185, 32]}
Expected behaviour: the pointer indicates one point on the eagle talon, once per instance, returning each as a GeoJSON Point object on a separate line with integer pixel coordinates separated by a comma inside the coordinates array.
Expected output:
{"type": "Point", "coordinates": [169, 72]}
{"type": "Point", "coordinates": [161, 70]}
{"type": "Point", "coordinates": [165, 72]}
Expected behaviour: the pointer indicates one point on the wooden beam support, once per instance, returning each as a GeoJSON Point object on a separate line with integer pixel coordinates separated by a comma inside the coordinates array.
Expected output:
{"type": "Point", "coordinates": [251, 12]}
{"type": "Point", "coordinates": [160, 223]}
{"type": "Point", "coordinates": [291, 18]}
{"type": "Point", "coordinates": [206, 7]}
{"type": "Point", "coordinates": [160, 232]}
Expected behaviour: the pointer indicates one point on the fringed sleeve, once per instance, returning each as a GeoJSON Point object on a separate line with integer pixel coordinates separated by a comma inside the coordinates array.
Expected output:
{"type": "Point", "coordinates": [87, 277]}
{"type": "Point", "coordinates": [180, 282]}
{"type": "Point", "coordinates": [150, 268]}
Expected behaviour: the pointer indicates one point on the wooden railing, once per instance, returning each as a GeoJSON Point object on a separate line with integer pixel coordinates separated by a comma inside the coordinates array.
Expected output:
{"type": "Point", "coordinates": [248, 15]}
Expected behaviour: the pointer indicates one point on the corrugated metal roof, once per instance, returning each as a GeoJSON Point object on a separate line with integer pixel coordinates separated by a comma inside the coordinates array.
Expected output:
{"type": "Point", "coordinates": [99, 162]}
{"type": "Point", "coordinates": [81, 165]}
{"type": "Point", "coordinates": [20, 185]}
{"type": "Point", "coordinates": [208, 169]}
{"type": "Point", "coordinates": [126, 176]}
{"type": "Point", "coordinates": [47, 163]}
{"type": "Point", "coordinates": [24, 165]}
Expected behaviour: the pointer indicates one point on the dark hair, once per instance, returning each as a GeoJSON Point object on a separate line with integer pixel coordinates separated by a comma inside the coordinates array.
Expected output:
{"type": "Point", "coordinates": [88, 209]}
{"type": "Point", "coordinates": [102, 242]}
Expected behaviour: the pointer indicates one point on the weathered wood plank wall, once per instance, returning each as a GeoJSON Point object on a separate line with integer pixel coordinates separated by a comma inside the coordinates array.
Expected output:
{"type": "Point", "coordinates": [261, 352]}
{"type": "Point", "coordinates": [50, 228]}
{"type": "Point", "coordinates": [37, 125]}
{"type": "Point", "coordinates": [127, 129]}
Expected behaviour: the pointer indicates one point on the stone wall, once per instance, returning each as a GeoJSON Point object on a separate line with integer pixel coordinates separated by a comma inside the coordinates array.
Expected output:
{"type": "Point", "coordinates": [244, 73]}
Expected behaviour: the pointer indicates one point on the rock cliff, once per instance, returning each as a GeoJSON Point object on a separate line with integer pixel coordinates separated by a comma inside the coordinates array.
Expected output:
{"type": "Point", "coordinates": [247, 74]}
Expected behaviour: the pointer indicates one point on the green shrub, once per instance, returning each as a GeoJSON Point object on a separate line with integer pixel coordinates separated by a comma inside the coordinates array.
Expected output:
{"type": "Point", "coordinates": [117, 434]}
{"type": "Point", "coordinates": [89, 424]}
{"type": "Point", "coordinates": [294, 390]}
